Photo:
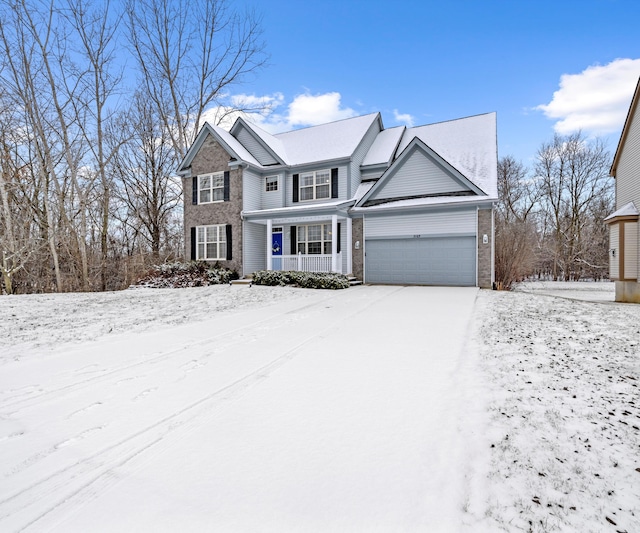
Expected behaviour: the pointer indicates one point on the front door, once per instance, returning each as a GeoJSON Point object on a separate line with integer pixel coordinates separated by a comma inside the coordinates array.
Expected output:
{"type": "Point", "coordinates": [276, 248]}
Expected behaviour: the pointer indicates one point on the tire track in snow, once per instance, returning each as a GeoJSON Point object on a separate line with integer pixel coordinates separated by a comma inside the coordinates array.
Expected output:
{"type": "Point", "coordinates": [87, 478]}
{"type": "Point", "coordinates": [34, 398]}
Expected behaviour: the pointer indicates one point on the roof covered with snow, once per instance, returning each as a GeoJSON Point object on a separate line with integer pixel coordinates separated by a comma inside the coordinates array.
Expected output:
{"type": "Point", "coordinates": [384, 147]}
{"type": "Point", "coordinates": [627, 210]}
{"type": "Point", "coordinates": [326, 142]}
{"type": "Point", "coordinates": [468, 144]}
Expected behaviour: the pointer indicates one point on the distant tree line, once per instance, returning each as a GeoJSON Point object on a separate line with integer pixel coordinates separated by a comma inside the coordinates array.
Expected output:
{"type": "Point", "coordinates": [99, 102]}
{"type": "Point", "coordinates": [550, 217]}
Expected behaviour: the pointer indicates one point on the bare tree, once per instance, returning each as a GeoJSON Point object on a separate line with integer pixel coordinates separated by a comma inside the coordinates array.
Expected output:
{"type": "Point", "coordinates": [516, 235]}
{"type": "Point", "coordinates": [148, 186]}
{"type": "Point", "coordinates": [190, 53]}
{"type": "Point", "coordinates": [573, 173]}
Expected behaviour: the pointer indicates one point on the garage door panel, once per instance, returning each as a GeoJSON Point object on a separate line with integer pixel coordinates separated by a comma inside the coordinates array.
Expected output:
{"type": "Point", "coordinates": [426, 261]}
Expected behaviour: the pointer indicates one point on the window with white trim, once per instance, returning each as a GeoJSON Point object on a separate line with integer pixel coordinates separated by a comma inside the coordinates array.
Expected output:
{"type": "Point", "coordinates": [315, 185]}
{"type": "Point", "coordinates": [271, 183]}
{"type": "Point", "coordinates": [211, 242]}
{"type": "Point", "coordinates": [211, 188]}
{"type": "Point", "coordinates": [314, 239]}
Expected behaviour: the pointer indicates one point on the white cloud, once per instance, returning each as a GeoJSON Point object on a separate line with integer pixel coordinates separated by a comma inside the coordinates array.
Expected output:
{"type": "Point", "coordinates": [304, 110]}
{"type": "Point", "coordinates": [596, 100]}
{"type": "Point", "coordinates": [403, 118]}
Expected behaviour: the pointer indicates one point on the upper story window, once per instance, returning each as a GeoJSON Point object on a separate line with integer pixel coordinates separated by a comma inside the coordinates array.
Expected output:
{"type": "Point", "coordinates": [315, 185]}
{"type": "Point", "coordinates": [211, 188]}
{"type": "Point", "coordinates": [271, 183]}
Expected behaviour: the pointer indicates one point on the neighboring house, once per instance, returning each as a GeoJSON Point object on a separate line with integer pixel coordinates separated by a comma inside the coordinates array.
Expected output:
{"type": "Point", "coordinates": [624, 245]}
{"type": "Point", "coordinates": [399, 205]}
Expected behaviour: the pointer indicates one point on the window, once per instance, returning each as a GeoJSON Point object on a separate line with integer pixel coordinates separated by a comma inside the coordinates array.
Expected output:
{"type": "Point", "coordinates": [315, 239]}
{"type": "Point", "coordinates": [211, 242]}
{"type": "Point", "coordinates": [211, 188]}
{"type": "Point", "coordinates": [271, 183]}
{"type": "Point", "coordinates": [315, 185]}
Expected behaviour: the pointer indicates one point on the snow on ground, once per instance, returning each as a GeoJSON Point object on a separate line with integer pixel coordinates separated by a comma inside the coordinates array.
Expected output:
{"type": "Point", "coordinates": [563, 378]}
{"type": "Point", "coordinates": [44, 320]}
{"type": "Point", "coordinates": [279, 409]}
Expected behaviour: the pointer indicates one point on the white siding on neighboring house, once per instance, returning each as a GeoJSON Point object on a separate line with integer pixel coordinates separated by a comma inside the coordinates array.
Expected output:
{"type": "Point", "coordinates": [417, 176]}
{"type": "Point", "coordinates": [359, 155]}
{"type": "Point", "coordinates": [254, 248]}
{"type": "Point", "coordinates": [628, 170]}
{"type": "Point", "coordinates": [250, 190]}
{"type": "Point", "coordinates": [255, 147]}
{"type": "Point", "coordinates": [446, 223]}
{"type": "Point", "coordinates": [631, 250]}
{"type": "Point", "coordinates": [614, 255]}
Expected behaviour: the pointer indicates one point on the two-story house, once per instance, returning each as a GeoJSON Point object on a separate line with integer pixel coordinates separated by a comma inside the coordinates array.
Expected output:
{"type": "Point", "coordinates": [399, 205]}
{"type": "Point", "coordinates": [624, 238]}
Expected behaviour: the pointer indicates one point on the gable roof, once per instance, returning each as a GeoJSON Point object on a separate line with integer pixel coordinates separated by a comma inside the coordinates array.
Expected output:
{"type": "Point", "coordinates": [468, 144]}
{"type": "Point", "coordinates": [625, 129]}
{"type": "Point", "coordinates": [225, 139]}
{"type": "Point", "coordinates": [460, 181]}
{"type": "Point", "coordinates": [271, 144]}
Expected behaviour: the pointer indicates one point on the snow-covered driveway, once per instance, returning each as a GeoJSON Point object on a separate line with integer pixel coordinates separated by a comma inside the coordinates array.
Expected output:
{"type": "Point", "coordinates": [339, 411]}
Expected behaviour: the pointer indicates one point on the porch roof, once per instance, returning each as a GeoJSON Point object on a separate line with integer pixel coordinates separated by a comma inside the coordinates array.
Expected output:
{"type": "Point", "coordinates": [299, 213]}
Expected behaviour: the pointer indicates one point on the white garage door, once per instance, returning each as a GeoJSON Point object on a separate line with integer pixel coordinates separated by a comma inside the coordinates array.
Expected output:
{"type": "Point", "coordinates": [421, 261]}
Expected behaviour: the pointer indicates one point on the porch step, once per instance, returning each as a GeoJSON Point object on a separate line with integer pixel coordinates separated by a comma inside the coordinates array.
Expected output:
{"type": "Point", "coordinates": [354, 281]}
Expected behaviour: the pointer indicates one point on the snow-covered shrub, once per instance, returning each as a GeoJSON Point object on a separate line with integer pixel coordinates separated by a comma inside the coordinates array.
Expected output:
{"type": "Point", "coordinates": [306, 280]}
{"type": "Point", "coordinates": [190, 274]}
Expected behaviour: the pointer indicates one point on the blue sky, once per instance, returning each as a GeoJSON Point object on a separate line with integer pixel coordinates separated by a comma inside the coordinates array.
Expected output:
{"type": "Point", "coordinates": [419, 62]}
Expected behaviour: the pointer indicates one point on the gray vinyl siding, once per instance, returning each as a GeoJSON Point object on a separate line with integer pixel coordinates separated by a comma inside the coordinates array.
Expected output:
{"type": "Point", "coordinates": [255, 147]}
{"type": "Point", "coordinates": [251, 190]}
{"type": "Point", "coordinates": [461, 222]}
{"type": "Point", "coordinates": [255, 248]}
{"type": "Point", "coordinates": [359, 155]}
{"type": "Point", "coordinates": [418, 176]}
{"type": "Point", "coordinates": [371, 174]}
{"type": "Point", "coordinates": [628, 170]}
{"type": "Point", "coordinates": [342, 187]}
{"type": "Point", "coordinates": [271, 199]}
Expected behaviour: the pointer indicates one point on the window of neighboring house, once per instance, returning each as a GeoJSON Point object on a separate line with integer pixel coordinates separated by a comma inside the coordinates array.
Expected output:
{"type": "Point", "coordinates": [211, 188]}
{"type": "Point", "coordinates": [271, 183]}
{"type": "Point", "coordinates": [211, 242]}
{"type": "Point", "coordinates": [315, 185]}
{"type": "Point", "coordinates": [314, 239]}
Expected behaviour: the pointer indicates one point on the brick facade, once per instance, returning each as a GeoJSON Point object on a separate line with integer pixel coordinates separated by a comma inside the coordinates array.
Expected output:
{"type": "Point", "coordinates": [357, 254]}
{"type": "Point", "coordinates": [213, 158]}
{"type": "Point", "coordinates": [485, 250]}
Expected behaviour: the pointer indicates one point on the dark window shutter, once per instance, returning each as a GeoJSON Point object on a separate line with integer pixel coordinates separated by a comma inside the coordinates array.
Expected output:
{"type": "Point", "coordinates": [334, 183]}
{"type": "Point", "coordinates": [194, 190]}
{"type": "Point", "coordinates": [338, 240]}
{"type": "Point", "coordinates": [294, 240]}
{"type": "Point", "coordinates": [229, 242]}
{"type": "Point", "coordinates": [193, 244]}
{"type": "Point", "coordinates": [296, 186]}
{"type": "Point", "coordinates": [226, 186]}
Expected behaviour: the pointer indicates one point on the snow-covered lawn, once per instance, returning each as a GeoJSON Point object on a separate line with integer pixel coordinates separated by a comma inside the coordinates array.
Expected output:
{"type": "Point", "coordinates": [232, 408]}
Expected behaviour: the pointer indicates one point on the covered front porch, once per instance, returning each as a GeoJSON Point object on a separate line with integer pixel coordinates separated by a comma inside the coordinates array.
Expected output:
{"type": "Point", "coordinates": [307, 243]}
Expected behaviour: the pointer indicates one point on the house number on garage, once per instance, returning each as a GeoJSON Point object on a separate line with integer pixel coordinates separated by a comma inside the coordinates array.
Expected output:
{"type": "Point", "coordinates": [417, 236]}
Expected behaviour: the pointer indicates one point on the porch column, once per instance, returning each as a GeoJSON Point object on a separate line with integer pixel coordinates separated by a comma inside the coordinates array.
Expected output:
{"type": "Point", "coordinates": [269, 245]}
{"type": "Point", "coordinates": [334, 244]}
{"type": "Point", "coordinates": [349, 248]}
